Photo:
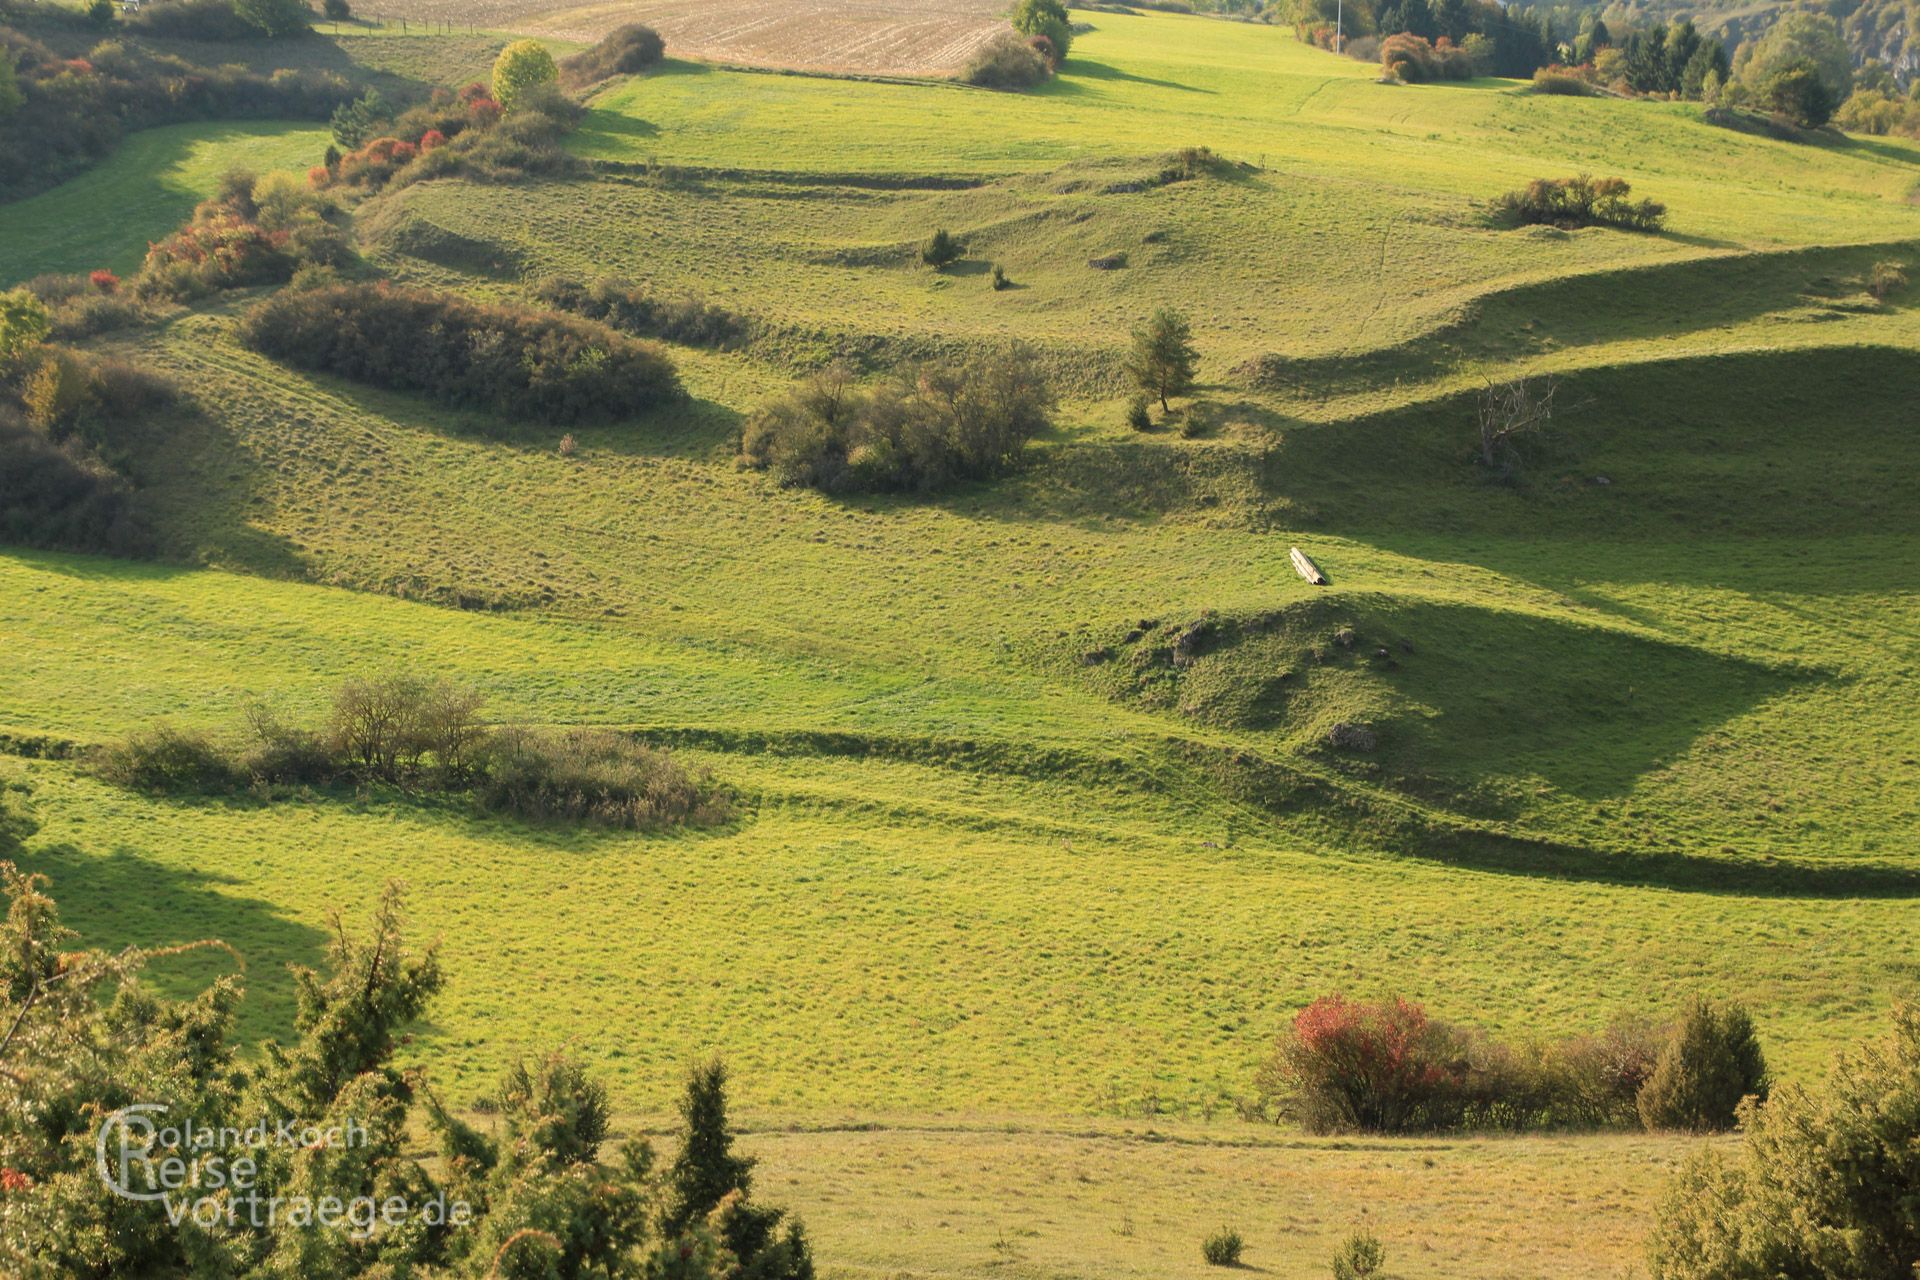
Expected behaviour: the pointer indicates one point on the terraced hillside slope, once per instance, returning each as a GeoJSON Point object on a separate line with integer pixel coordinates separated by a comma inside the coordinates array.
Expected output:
{"type": "Point", "coordinates": [1044, 818]}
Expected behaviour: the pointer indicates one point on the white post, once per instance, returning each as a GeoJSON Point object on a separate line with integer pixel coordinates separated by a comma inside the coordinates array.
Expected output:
{"type": "Point", "coordinates": [1339, 20]}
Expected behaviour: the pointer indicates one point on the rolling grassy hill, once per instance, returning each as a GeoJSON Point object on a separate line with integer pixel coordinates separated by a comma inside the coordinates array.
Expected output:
{"type": "Point", "coordinates": [1040, 818]}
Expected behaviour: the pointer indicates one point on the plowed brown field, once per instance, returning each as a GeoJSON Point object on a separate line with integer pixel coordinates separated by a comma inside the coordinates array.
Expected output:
{"type": "Point", "coordinates": [888, 37]}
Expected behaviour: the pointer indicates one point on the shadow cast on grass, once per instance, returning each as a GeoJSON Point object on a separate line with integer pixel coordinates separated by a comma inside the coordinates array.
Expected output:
{"type": "Point", "coordinates": [123, 899]}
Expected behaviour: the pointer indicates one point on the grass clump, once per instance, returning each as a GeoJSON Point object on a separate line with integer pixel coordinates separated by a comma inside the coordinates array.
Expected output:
{"type": "Point", "coordinates": [1222, 1248]}
{"type": "Point", "coordinates": [941, 249]}
{"type": "Point", "coordinates": [1570, 203]}
{"type": "Point", "coordinates": [945, 422]}
{"type": "Point", "coordinates": [512, 360]}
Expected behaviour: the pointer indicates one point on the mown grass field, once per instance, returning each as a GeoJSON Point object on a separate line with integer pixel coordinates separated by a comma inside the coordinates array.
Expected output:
{"type": "Point", "coordinates": [1002, 873]}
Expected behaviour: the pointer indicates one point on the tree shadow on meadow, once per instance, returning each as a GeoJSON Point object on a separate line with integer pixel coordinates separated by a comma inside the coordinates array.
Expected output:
{"type": "Point", "coordinates": [121, 899]}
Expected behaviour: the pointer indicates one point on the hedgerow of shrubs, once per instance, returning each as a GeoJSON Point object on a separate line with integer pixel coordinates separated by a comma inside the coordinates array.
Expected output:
{"type": "Point", "coordinates": [624, 51]}
{"type": "Point", "coordinates": [512, 360]}
{"type": "Point", "coordinates": [1581, 201]}
{"type": "Point", "coordinates": [1008, 62]}
{"type": "Point", "coordinates": [626, 307]}
{"type": "Point", "coordinates": [944, 422]}
{"type": "Point", "coordinates": [73, 111]}
{"type": "Point", "coordinates": [1411, 59]}
{"type": "Point", "coordinates": [428, 734]}
{"type": "Point", "coordinates": [1346, 1065]}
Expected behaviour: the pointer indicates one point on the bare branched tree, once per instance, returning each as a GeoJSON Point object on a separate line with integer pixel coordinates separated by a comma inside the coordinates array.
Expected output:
{"type": "Point", "coordinates": [1509, 410]}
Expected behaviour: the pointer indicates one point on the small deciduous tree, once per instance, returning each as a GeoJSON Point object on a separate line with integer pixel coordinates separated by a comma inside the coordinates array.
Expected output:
{"type": "Point", "coordinates": [1045, 18]}
{"type": "Point", "coordinates": [1163, 361]}
{"type": "Point", "coordinates": [1508, 411]}
{"type": "Point", "coordinates": [1797, 92]}
{"type": "Point", "coordinates": [522, 66]}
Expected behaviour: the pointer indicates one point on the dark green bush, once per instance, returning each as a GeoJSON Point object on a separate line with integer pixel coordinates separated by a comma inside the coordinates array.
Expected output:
{"type": "Point", "coordinates": [1711, 1060]}
{"type": "Point", "coordinates": [941, 248]}
{"type": "Point", "coordinates": [1579, 202]}
{"type": "Point", "coordinates": [510, 360]}
{"type": "Point", "coordinates": [1825, 1182]}
{"type": "Point", "coordinates": [944, 422]}
{"type": "Point", "coordinates": [594, 775]}
{"type": "Point", "coordinates": [624, 51]}
{"type": "Point", "coordinates": [60, 496]}
{"type": "Point", "coordinates": [1222, 1248]}
{"type": "Point", "coordinates": [626, 307]}
{"type": "Point", "coordinates": [1361, 1257]}
{"type": "Point", "coordinates": [1140, 413]}
{"type": "Point", "coordinates": [168, 759]}
{"type": "Point", "coordinates": [190, 20]}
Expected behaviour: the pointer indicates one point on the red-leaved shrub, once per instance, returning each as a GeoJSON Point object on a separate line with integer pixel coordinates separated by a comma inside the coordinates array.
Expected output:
{"type": "Point", "coordinates": [103, 280]}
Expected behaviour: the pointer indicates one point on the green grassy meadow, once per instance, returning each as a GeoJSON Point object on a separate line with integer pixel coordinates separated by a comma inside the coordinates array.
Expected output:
{"type": "Point", "coordinates": [1014, 903]}
{"type": "Point", "coordinates": [107, 216]}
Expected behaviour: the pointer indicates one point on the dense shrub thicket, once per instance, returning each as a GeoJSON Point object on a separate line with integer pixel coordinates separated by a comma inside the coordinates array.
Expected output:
{"type": "Point", "coordinates": [73, 111]}
{"type": "Point", "coordinates": [593, 775]}
{"type": "Point", "coordinates": [60, 496]}
{"type": "Point", "coordinates": [1826, 1181]}
{"type": "Point", "coordinates": [465, 133]}
{"type": "Point", "coordinates": [540, 1194]}
{"type": "Point", "coordinates": [1346, 1065]}
{"type": "Point", "coordinates": [429, 734]}
{"type": "Point", "coordinates": [1579, 202]}
{"type": "Point", "coordinates": [1412, 59]}
{"type": "Point", "coordinates": [1008, 62]}
{"type": "Point", "coordinates": [220, 19]}
{"type": "Point", "coordinates": [516, 361]}
{"type": "Point", "coordinates": [630, 309]}
{"type": "Point", "coordinates": [253, 231]}
{"type": "Point", "coordinates": [945, 422]}
{"type": "Point", "coordinates": [63, 414]}
{"type": "Point", "coordinates": [624, 51]}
